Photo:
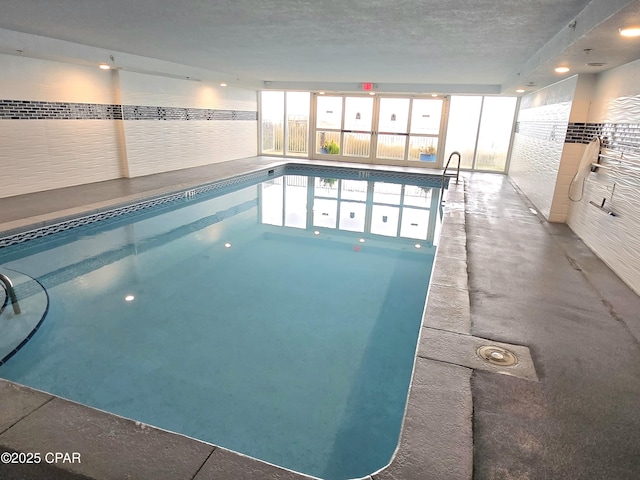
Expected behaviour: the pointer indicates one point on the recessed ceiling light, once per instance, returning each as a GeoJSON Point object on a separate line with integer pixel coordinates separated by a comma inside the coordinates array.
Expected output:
{"type": "Point", "coordinates": [361, 240]}
{"type": "Point", "coordinates": [316, 232]}
{"type": "Point", "coordinates": [520, 90]}
{"type": "Point", "coordinates": [561, 69]}
{"type": "Point", "coordinates": [129, 298]}
{"type": "Point", "coordinates": [434, 94]}
{"type": "Point", "coordinates": [630, 31]}
{"type": "Point", "coordinates": [227, 245]}
{"type": "Point", "coordinates": [223, 84]}
{"type": "Point", "coordinates": [371, 93]}
{"type": "Point", "coordinates": [321, 93]}
{"type": "Point", "coordinates": [104, 66]}
{"type": "Point", "coordinates": [417, 245]}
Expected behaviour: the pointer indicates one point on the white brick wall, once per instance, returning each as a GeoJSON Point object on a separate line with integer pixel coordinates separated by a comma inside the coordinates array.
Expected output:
{"type": "Point", "coordinates": [534, 168]}
{"type": "Point", "coordinates": [43, 154]}
{"type": "Point", "coordinates": [535, 160]}
{"type": "Point", "coordinates": [156, 146]}
{"type": "Point", "coordinates": [37, 155]}
{"type": "Point", "coordinates": [40, 155]}
{"type": "Point", "coordinates": [139, 89]}
{"type": "Point", "coordinates": [33, 79]}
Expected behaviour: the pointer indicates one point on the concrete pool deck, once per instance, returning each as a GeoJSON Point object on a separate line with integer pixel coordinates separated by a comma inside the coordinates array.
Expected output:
{"type": "Point", "coordinates": [572, 415]}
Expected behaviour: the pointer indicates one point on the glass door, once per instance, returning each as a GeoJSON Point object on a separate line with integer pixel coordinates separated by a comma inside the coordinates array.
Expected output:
{"type": "Point", "coordinates": [284, 123]}
{"type": "Point", "coordinates": [480, 129]}
{"type": "Point", "coordinates": [385, 130]}
{"type": "Point", "coordinates": [393, 133]}
{"type": "Point", "coordinates": [424, 131]}
{"type": "Point", "coordinates": [409, 130]}
{"type": "Point", "coordinates": [328, 125]}
{"type": "Point", "coordinates": [395, 130]}
{"type": "Point", "coordinates": [358, 120]}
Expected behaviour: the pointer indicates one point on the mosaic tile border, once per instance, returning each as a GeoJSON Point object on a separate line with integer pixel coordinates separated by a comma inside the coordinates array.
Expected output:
{"type": "Point", "coordinates": [549, 131]}
{"type": "Point", "coordinates": [182, 195]}
{"type": "Point", "coordinates": [623, 137]}
{"type": "Point", "coordinates": [133, 112]}
{"type": "Point", "coordinates": [420, 179]}
{"type": "Point", "coordinates": [35, 110]}
{"type": "Point", "coordinates": [583, 132]}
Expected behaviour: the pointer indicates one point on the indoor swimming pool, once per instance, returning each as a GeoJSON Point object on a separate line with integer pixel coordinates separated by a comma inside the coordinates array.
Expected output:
{"type": "Point", "coordinates": [276, 316]}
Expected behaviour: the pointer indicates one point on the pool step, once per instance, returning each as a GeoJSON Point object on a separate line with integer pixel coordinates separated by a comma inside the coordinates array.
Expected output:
{"type": "Point", "coordinates": [22, 318]}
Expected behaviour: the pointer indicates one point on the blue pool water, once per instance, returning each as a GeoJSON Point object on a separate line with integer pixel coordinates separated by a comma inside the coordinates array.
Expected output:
{"type": "Point", "coordinates": [249, 320]}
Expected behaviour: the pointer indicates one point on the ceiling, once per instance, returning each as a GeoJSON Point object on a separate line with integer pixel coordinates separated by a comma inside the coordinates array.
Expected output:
{"type": "Point", "coordinates": [446, 46]}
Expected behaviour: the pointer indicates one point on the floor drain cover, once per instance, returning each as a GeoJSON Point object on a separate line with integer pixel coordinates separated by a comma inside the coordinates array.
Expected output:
{"type": "Point", "coordinates": [497, 355]}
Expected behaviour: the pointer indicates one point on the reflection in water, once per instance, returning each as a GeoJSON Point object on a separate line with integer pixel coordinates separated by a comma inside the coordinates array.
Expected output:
{"type": "Point", "coordinates": [370, 207]}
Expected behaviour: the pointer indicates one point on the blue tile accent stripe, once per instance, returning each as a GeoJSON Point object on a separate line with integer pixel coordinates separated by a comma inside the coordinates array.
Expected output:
{"type": "Point", "coordinates": [132, 112]}
{"type": "Point", "coordinates": [34, 110]}
{"type": "Point", "coordinates": [183, 195]}
{"type": "Point", "coordinates": [624, 137]}
{"type": "Point", "coordinates": [221, 187]}
{"type": "Point", "coordinates": [550, 131]}
{"type": "Point", "coordinates": [583, 132]}
{"type": "Point", "coordinates": [419, 179]}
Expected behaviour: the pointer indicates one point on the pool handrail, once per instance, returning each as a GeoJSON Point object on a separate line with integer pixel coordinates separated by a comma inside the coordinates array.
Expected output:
{"type": "Point", "coordinates": [444, 173]}
{"type": "Point", "coordinates": [11, 292]}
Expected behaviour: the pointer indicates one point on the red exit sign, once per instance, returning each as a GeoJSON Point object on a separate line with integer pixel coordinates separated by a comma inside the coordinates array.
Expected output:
{"type": "Point", "coordinates": [367, 86]}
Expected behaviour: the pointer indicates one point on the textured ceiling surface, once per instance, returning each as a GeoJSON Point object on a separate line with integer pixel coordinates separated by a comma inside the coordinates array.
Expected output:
{"type": "Point", "coordinates": [394, 42]}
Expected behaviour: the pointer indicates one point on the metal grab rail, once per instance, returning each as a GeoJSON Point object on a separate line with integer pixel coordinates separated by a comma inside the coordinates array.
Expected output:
{"type": "Point", "coordinates": [11, 292]}
{"type": "Point", "coordinates": [444, 173]}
